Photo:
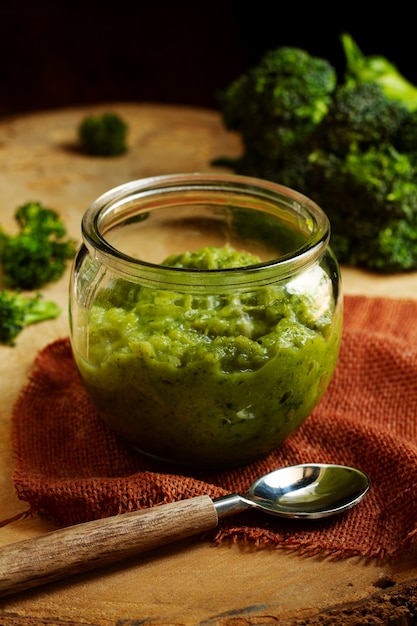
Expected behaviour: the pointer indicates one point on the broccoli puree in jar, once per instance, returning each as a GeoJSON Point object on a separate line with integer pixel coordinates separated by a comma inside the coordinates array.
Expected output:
{"type": "Point", "coordinates": [211, 379]}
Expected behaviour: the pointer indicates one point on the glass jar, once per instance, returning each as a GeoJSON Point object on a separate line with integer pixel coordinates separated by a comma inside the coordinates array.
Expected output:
{"type": "Point", "coordinates": [212, 357]}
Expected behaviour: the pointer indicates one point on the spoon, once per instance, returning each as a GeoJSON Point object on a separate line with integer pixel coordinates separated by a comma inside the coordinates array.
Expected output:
{"type": "Point", "coordinates": [301, 491]}
{"type": "Point", "coordinates": [308, 491]}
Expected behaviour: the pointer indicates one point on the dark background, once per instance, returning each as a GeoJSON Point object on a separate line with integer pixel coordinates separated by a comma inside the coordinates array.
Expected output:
{"type": "Point", "coordinates": [55, 54]}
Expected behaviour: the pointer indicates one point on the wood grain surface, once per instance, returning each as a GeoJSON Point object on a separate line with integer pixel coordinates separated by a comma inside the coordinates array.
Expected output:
{"type": "Point", "coordinates": [192, 582]}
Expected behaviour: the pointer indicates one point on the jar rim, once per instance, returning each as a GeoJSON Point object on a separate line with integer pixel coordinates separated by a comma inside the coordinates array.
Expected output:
{"type": "Point", "coordinates": [98, 215]}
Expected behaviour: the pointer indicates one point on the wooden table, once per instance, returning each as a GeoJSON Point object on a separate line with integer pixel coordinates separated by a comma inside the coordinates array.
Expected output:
{"type": "Point", "coordinates": [189, 583]}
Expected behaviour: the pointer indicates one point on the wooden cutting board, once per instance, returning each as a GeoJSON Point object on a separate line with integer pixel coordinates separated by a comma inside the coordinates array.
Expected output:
{"type": "Point", "coordinates": [192, 582]}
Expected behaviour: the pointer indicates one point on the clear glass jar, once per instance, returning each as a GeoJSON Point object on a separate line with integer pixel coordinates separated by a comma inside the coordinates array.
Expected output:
{"type": "Point", "coordinates": [205, 366]}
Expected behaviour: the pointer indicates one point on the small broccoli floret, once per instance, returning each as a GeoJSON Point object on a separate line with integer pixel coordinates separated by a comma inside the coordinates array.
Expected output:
{"type": "Point", "coordinates": [18, 311]}
{"type": "Point", "coordinates": [103, 135]}
{"type": "Point", "coordinates": [39, 252]}
{"type": "Point", "coordinates": [276, 105]}
{"type": "Point", "coordinates": [378, 70]}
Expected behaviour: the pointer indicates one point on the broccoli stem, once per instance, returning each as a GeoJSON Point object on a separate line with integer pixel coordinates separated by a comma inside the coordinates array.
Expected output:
{"type": "Point", "coordinates": [378, 69]}
{"type": "Point", "coordinates": [41, 310]}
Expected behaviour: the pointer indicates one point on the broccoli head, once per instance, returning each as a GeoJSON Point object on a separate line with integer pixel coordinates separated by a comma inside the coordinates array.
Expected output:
{"type": "Point", "coordinates": [18, 311]}
{"type": "Point", "coordinates": [39, 252]}
{"type": "Point", "coordinates": [276, 105]}
{"type": "Point", "coordinates": [350, 146]}
{"type": "Point", "coordinates": [103, 135]}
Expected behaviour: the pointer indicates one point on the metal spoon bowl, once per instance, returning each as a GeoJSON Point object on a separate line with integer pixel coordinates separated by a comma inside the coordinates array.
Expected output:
{"type": "Point", "coordinates": [304, 491]}
{"type": "Point", "coordinates": [307, 491]}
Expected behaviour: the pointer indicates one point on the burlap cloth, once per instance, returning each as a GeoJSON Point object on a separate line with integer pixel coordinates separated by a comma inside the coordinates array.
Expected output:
{"type": "Point", "coordinates": [71, 468]}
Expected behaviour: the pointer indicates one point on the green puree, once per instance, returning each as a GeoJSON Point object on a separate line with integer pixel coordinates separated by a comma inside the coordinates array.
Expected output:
{"type": "Point", "coordinates": [210, 379]}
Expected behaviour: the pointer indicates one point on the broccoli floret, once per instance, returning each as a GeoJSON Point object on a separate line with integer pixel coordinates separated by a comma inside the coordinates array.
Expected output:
{"type": "Point", "coordinates": [18, 311]}
{"type": "Point", "coordinates": [39, 252]}
{"type": "Point", "coordinates": [377, 70]}
{"type": "Point", "coordinates": [103, 135]}
{"type": "Point", "coordinates": [276, 105]}
{"type": "Point", "coordinates": [370, 198]}
{"type": "Point", "coordinates": [360, 116]}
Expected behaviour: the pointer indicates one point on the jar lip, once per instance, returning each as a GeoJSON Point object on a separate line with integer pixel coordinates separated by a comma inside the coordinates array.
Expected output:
{"type": "Point", "coordinates": [312, 248]}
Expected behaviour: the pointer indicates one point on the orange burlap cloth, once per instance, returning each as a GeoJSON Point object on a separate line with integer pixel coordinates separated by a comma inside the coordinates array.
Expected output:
{"type": "Point", "coordinates": [72, 468]}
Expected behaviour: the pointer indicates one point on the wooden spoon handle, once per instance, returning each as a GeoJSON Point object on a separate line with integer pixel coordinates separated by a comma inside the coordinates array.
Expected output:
{"type": "Point", "coordinates": [61, 553]}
